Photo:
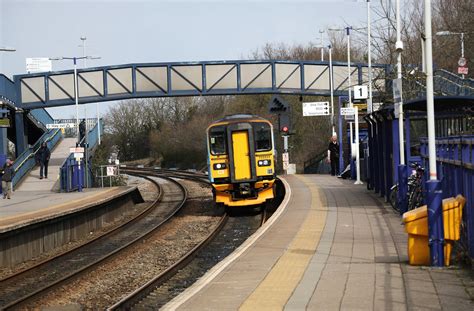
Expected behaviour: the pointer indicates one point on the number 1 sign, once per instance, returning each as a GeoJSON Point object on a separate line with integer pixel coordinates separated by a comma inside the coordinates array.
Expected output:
{"type": "Point", "coordinates": [360, 92]}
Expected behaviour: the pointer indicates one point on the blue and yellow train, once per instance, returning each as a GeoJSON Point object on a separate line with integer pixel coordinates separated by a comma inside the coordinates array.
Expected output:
{"type": "Point", "coordinates": [241, 160]}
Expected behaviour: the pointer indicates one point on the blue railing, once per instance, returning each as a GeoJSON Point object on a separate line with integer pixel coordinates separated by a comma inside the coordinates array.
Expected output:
{"type": "Point", "coordinates": [42, 116]}
{"type": "Point", "coordinates": [26, 161]}
{"type": "Point", "coordinates": [455, 167]}
{"type": "Point", "coordinates": [93, 137]}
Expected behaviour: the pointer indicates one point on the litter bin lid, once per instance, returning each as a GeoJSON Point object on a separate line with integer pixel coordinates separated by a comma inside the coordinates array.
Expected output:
{"type": "Point", "coordinates": [422, 211]}
{"type": "Point", "coordinates": [417, 213]}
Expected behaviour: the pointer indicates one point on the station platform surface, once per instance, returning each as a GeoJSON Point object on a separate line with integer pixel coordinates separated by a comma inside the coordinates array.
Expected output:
{"type": "Point", "coordinates": [332, 245]}
{"type": "Point", "coordinates": [26, 207]}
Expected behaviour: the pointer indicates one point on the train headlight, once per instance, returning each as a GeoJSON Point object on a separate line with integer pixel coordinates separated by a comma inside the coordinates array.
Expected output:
{"type": "Point", "coordinates": [220, 166]}
{"type": "Point", "coordinates": [264, 162]}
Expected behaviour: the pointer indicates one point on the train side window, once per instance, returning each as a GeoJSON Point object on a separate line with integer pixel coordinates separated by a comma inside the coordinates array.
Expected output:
{"type": "Point", "coordinates": [263, 136]}
{"type": "Point", "coordinates": [217, 140]}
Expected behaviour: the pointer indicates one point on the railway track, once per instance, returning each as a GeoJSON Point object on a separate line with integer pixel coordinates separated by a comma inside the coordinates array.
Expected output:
{"type": "Point", "coordinates": [177, 276]}
{"type": "Point", "coordinates": [24, 287]}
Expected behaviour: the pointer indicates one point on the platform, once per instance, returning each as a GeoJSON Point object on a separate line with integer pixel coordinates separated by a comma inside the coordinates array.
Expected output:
{"type": "Point", "coordinates": [332, 245]}
{"type": "Point", "coordinates": [27, 207]}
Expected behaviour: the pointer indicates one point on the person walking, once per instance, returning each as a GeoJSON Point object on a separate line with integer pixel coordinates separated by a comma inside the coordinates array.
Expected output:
{"type": "Point", "coordinates": [7, 176]}
{"type": "Point", "coordinates": [333, 155]}
{"type": "Point", "coordinates": [43, 156]}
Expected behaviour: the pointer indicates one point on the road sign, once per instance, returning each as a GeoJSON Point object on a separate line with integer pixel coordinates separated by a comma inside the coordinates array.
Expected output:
{"type": "Point", "coordinates": [76, 150]}
{"type": "Point", "coordinates": [111, 170]}
{"type": "Point", "coordinates": [316, 109]}
{"type": "Point", "coordinates": [360, 92]}
{"type": "Point", "coordinates": [397, 90]}
{"type": "Point", "coordinates": [349, 111]}
{"type": "Point", "coordinates": [78, 155]}
{"type": "Point", "coordinates": [463, 70]}
{"type": "Point", "coordinates": [285, 157]}
{"type": "Point", "coordinates": [60, 125]}
{"type": "Point", "coordinates": [462, 62]}
{"type": "Point", "coordinates": [38, 64]}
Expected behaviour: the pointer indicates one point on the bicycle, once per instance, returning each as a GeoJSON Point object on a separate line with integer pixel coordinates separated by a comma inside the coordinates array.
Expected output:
{"type": "Point", "coordinates": [415, 189]}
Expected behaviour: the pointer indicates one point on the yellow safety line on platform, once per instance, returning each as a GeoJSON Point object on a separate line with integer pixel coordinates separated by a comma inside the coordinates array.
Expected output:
{"type": "Point", "coordinates": [275, 290]}
{"type": "Point", "coordinates": [7, 221]}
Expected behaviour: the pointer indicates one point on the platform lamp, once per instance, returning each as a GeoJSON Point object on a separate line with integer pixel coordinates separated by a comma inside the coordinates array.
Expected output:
{"type": "Point", "coordinates": [76, 93]}
{"type": "Point", "coordinates": [76, 97]}
{"type": "Point", "coordinates": [450, 33]}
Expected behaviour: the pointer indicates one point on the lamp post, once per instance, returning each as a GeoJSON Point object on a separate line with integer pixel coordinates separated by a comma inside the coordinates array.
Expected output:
{"type": "Point", "coordinates": [402, 169]}
{"type": "Point", "coordinates": [433, 186]}
{"type": "Point", "coordinates": [450, 33]}
{"type": "Point", "coordinates": [76, 98]}
{"type": "Point", "coordinates": [369, 59]}
{"type": "Point", "coordinates": [76, 90]}
{"type": "Point", "coordinates": [321, 43]}
{"type": "Point", "coordinates": [331, 87]}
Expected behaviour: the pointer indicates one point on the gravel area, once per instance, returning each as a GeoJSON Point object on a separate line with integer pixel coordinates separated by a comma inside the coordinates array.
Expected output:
{"type": "Point", "coordinates": [149, 193]}
{"type": "Point", "coordinates": [107, 284]}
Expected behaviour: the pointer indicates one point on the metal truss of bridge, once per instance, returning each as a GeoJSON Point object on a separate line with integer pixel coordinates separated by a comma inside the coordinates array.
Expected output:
{"type": "Point", "coordinates": [98, 84]}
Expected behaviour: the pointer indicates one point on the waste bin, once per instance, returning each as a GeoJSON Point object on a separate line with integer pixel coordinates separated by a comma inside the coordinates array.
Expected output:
{"type": "Point", "coordinates": [416, 225]}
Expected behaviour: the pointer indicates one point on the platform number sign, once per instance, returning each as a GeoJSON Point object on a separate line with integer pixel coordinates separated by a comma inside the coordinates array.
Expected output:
{"type": "Point", "coordinates": [360, 92]}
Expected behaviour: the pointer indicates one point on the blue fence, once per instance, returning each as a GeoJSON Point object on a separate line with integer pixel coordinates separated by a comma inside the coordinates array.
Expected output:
{"type": "Point", "coordinates": [26, 161]}
{"type": "Point", "coordinates": [73, 173]}
{"type": "Point", "coordinates": [455, 167]}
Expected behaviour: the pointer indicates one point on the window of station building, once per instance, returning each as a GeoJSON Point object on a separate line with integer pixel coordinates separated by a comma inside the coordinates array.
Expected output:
{"type": "Point", "coordinates": [263, 136]}
{"type": "Point", "coordinates": [217, 140]}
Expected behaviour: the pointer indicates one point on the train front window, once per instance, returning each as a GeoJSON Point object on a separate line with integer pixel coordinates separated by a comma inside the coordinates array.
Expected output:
{"type": "Point", "coordinates": [263, 136]}
{"type": "Point", "coordinates": [217, 140]}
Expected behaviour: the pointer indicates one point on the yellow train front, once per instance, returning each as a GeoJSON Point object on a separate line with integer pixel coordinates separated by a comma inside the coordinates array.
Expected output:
{"type": "Point", "coordinates": [241, 160]}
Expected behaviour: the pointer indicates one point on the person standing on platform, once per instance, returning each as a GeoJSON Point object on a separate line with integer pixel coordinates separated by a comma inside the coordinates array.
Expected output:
{"type": "Point", "coordinates": [7, 176]}
{"type": "Point", "coordinates": [43, 156]}
{"type": "Point", "coordinates": [333, 155]}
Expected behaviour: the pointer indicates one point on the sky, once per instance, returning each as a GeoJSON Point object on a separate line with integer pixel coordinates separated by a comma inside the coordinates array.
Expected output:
{"type": "Point", "coordinates": [129, 31]}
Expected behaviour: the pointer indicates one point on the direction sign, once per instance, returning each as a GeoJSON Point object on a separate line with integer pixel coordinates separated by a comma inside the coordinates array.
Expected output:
{"type": "Point", "coordinates": [38, 64]}
{"type": "Point", "coordinates": [349, 111]}
{"type": "Point", "coordinates": [60, 125]}
{"type": "Point", "coordinates": [76, 150]}
{"type": "Point", "coordinates": [316, 109]}
{"type": "Point", "coordinates": [360, 92]}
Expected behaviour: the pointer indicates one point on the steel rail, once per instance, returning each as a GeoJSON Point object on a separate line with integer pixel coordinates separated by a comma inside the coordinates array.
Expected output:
{"type": "Point", "coordinates": [54, 285]}
{"type": "Point", "coordinates": [106, 234]}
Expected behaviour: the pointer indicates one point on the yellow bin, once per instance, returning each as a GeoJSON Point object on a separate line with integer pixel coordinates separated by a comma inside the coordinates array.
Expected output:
{"type": "Point", "coordinates": [416, 225]}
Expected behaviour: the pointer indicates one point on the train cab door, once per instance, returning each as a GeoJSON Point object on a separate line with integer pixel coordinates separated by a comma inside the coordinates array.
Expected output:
{"type": "Point", "coordinates": [242, 152]}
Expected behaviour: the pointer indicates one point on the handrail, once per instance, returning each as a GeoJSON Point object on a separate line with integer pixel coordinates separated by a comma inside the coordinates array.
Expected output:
{"type": "Point", "coordinates": [316, 159]}
{"type": "Point", "coordinates": [35, 151]}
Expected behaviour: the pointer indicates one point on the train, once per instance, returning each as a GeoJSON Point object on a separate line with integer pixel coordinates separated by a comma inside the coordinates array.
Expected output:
{"type": "Point", "coordinates": [241, 160]}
